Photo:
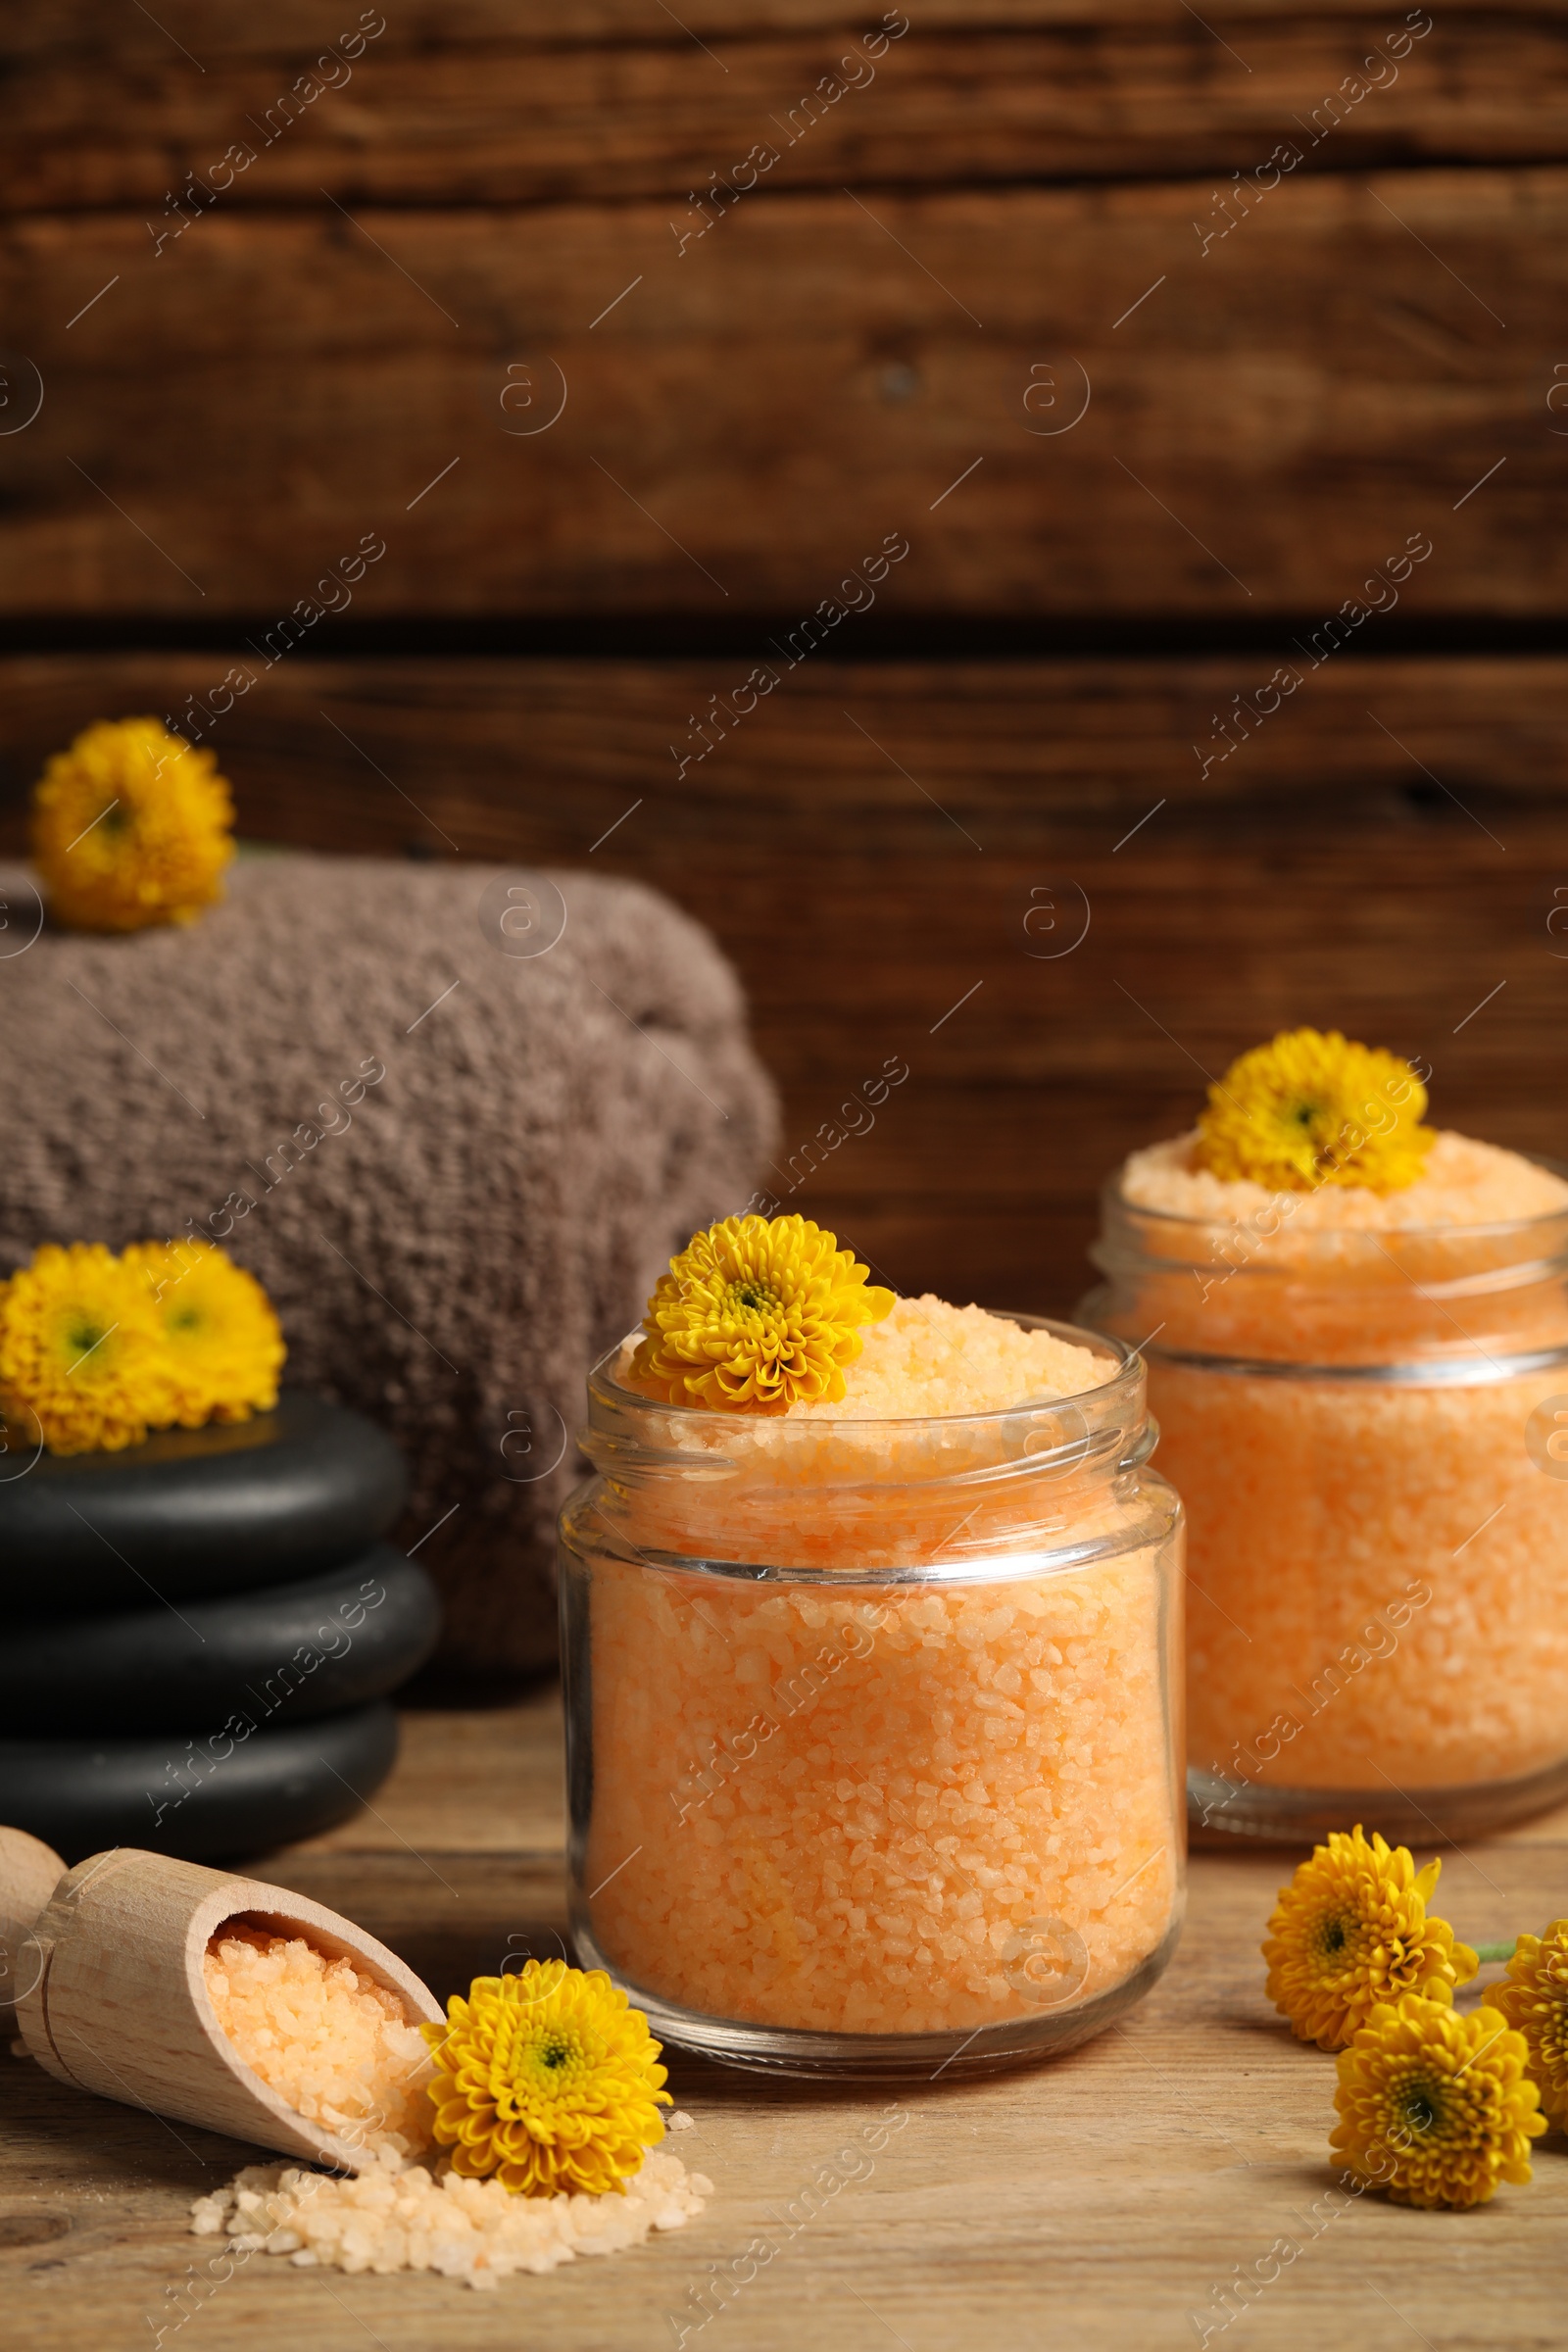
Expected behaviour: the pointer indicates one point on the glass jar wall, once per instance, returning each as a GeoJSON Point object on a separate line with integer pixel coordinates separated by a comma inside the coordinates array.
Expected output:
{"type": "Point", "coordinates": [873, 1736]}
{"type": "Point", "coordinates": [1369, 1431]}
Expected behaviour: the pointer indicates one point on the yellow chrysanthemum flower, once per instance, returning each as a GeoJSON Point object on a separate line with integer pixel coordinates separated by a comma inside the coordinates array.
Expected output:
{"type": "Point", "coordinates": [1351, 1932]}
{"type": "Point", "coordinates": [1311, 1110]}
{"type": "Point", "coordinates": [547, 2079]}
{"type": "Point", "coordinates": [755, 1314]}
{"type": "Point", "coordinates": [1535, 2002]}
{"type": "Point", "coordinates": [81, 1347]}
{"type": "Point", "coordinates": [1435, 2107]}
{"type": "Point", "coordinates": [222, 1340]}
{"type": "Point", "coordinates": [130, 826]}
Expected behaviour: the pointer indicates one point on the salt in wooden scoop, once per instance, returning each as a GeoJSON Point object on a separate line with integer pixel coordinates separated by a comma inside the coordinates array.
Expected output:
{"type": "Point", "coordinates": [104, 1968]}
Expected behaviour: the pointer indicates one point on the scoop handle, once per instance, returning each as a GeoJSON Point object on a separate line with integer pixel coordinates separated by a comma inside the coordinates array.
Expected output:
{"type": "Point", "coordinates": [29, 1873]}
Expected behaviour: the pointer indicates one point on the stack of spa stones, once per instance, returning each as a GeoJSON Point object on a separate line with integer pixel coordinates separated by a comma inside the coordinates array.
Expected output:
{"type": "Point", "coordinates": [200, 1634]}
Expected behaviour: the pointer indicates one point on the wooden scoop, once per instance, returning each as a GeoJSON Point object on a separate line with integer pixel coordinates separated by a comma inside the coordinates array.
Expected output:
{"type": "Point", "coordinates": [105, 1976]}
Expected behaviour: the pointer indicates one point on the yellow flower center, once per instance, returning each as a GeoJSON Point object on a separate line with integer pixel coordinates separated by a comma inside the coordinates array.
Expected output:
{"type": "Point", "coordinates": [553, 2063]}
{"type": "Point", "coordinates": [1420, 2107]}
{"type": "Point", "coordinates": [752, 1297]}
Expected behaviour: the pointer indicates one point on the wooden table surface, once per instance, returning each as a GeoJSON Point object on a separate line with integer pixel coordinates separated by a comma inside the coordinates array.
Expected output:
{"type": "Point", "coordinates": [1097, 2202]}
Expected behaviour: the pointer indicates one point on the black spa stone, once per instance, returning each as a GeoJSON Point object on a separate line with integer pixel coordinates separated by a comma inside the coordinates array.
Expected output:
{"type": "Point", "coordinates": [196, 1513]}
{"type": "Point", "coordinates": [281, 1655]}
{"type": "Point", "coordinates": [83, 1795]}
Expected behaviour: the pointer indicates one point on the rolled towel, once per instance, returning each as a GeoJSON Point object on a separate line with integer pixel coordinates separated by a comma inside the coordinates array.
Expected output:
{"type": "Point", "coordinates": [456, 1119]}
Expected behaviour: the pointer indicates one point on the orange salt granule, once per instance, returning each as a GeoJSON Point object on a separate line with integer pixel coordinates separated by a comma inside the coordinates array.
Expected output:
{"type": "Point", "coordinates": [886, 1809]}
{"type": "Point", "coordinates": [1379, 1586]}
{"type": "Point", "coordinates": [919, 1412]}
{"type": "Point", "coordinates": [399, 2216]}
{"type": "Point", "coordinates": [1377, 1569]}
{"type": "Point", "coordinates": [331, 2042]}
{"type": "Point", "coordinates": [1465, 1182]}
{"type": "Point", "coordinates": [928, 1358]}
{"type": "Point", "coordinates": [847, 1812]}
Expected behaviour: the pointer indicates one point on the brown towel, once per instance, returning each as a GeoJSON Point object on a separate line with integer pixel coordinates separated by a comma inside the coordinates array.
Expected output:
{"type": "Point", "coordinates": [457, 1155]}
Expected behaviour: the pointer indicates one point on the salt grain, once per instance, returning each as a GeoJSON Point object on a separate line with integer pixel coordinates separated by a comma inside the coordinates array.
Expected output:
{"type": "Point", "coordinates": [331, 2042]}
{"type": "Point", "coordinates": [929, 1357]}
{"type": "Point", "coordinates": [1378, 1579]}
{"type": "Point", "coordinates": [396, 2217]}
{"type": "Point", "coordinates": [1465, 1182]}
{"type": "Point", "coordinates": [1378, 1590]}
{"type": "Point", "coordinates": [926, 1357]}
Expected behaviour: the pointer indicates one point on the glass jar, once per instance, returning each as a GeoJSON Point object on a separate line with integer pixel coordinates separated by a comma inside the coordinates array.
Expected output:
{"type": "Point", "coordinates": [873, 1749]}
{"type": "Point", "coordinates": [1369, 1431]}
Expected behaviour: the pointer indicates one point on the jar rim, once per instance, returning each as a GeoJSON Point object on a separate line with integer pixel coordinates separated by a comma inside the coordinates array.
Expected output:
{"type": "Point", "coordinates": [1028, 1472]}
{"type": "Point", "coordinates": [1178, 1220]}
{"type": "Point", "coordinates": [1122, 1383]}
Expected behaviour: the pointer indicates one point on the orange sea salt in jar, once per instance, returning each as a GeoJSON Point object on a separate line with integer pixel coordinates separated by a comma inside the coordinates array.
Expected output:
{"type": "Point", "coordinates": [1363, 1403]}
{"type": "Point", "coordinates": [873, 1752]}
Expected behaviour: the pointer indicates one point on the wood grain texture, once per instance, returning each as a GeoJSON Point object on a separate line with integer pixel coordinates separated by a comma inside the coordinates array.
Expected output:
{"type": "Point", "coordinates": [29, 1873]}
{"type": "Point", "coordinates": [753, 418]}
{"type": "Point", "coordinates": [1098, 2201]}
{"type": "Point", "coordinates": [870, 845]}
{"type": "Point", "coordinates": [530, 114]}
{"type": "Point", "coordinates": [37, 28]}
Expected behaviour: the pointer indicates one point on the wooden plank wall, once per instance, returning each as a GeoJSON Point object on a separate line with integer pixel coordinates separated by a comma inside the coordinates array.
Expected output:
{"type": "Point", "coordinates": [1165, 420]}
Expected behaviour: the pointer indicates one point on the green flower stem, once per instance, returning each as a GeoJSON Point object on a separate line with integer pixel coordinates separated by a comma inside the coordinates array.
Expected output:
{"type": "Point", "coordinates": [1496, 1951]}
